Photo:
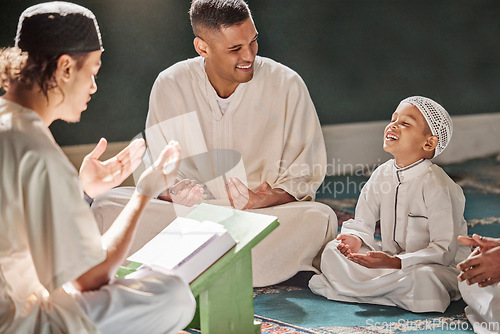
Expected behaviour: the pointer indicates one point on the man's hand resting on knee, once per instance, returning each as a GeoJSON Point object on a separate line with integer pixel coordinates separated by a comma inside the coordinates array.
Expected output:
{"type": "Point", "coordinates": [264, 196]}
{"type": "Point", "coordinates": [185, 192]}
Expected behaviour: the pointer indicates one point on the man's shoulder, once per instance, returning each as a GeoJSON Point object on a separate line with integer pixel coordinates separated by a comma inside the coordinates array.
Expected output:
{"type": "Point", "coordinates": [31, 143]}
{"type": "Point", "coordinates": [182, 69]}
{"type": "Point", "coordinates": [32, 153]}
{"type": "Point", "coordinates": [23, 134]}
{"type": "Point", "coordinates": [271, 69]}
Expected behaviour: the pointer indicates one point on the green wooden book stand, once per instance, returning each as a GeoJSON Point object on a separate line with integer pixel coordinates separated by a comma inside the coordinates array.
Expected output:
{"type": "Point", "coordinates": [224, 292]}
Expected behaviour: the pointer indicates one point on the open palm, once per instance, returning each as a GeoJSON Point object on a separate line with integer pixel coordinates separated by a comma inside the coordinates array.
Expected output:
{"type": "Point", "coordinates": [98, 176]}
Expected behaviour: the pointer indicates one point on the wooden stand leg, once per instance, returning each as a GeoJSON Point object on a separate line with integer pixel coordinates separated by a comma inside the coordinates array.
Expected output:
{"type": "Point", "coordinates": [226, 306]}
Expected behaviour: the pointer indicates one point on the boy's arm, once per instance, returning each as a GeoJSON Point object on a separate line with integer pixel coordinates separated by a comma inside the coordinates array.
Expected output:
{"type": "Point", "coordinates": [366, 215]}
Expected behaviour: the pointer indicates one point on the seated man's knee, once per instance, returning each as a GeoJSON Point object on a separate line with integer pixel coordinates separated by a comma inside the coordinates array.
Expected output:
{"type": "Point", "coordinates": [317, 211]}
{"type": "Point", "coordinates": [324, 209]}
{"type": "Point", "coordinates": [325, 212]}
{"type": "Point", "coordinates": [106, 207]}
{"type": "Point", "coordinates": [119, 195]}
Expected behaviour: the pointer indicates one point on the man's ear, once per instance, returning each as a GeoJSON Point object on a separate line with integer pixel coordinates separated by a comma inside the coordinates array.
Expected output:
{"type": "Point", "coordinates": [201, 47]}
{"type": "Point", "coordinates": [65, 65]}
{"type": "Point", "coordinates": [431, 143]}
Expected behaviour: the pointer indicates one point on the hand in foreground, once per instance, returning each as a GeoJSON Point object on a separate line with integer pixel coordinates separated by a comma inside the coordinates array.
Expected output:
{"type": "Point", "coordinates": [483, 265]}
{"type": "Point", "coordinates": [97, 176]}
{"type": "Point", "coordinates": [242, 198]}
{"type": "Point", "coordinates": [349, 244]}
{"type": "Point", "coordinates": [374, 260]}
{"type": "Point", "coordinates": [185, 192]}
{"type": "Point", "coordinates": [484, 243]}
{"type": "Point", "coordinates": [162, 174]}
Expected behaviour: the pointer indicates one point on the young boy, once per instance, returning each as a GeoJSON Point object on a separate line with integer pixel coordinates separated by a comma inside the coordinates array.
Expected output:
{"type": "Point", "coordinates": [420, 210]}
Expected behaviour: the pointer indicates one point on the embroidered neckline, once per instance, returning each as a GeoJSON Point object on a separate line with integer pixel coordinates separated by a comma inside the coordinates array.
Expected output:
{"type": "Point", "coordinates": [411, 171]}
{"type": "Point", "coordinates": [408, 167]}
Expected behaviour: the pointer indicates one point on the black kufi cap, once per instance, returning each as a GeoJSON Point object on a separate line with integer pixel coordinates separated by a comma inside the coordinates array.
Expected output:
{"type": "Point", "coordinates": [54, 27]}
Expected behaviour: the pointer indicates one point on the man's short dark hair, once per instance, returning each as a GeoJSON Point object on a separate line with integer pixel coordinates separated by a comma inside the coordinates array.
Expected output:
{"type": "Point", "coordinates": [215, 14]}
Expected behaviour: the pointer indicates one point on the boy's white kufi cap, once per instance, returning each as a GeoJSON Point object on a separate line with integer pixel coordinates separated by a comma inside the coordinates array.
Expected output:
{"type": "Point", "coordinates": [437, 117]}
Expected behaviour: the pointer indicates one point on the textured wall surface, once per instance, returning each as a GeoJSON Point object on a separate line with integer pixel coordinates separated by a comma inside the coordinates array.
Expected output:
{"type": "Point", "coordinates": [359, 58]}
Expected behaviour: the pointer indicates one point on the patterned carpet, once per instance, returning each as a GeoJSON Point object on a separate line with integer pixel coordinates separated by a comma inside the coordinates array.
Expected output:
{"type": "Point", "coordinates": [291, 307]}
{"type": "Point", "coordinates": [294, 309]}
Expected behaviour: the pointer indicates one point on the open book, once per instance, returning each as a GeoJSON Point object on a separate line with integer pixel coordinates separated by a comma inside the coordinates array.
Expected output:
{"type": "Point", "coordinates": [187, 247]}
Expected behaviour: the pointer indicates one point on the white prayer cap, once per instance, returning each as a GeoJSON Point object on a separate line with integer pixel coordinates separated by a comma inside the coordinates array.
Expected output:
{"type": "Point", "coordinates": [437, 117]}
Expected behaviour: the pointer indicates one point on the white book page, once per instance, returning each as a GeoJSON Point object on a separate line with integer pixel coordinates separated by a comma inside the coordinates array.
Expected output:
{"type": "Point", "coordinates": [175, 243]}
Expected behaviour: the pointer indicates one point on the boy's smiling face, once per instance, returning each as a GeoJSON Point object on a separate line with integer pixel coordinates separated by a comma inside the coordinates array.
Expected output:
{"type": "Point", "coordinates": [408, 137]}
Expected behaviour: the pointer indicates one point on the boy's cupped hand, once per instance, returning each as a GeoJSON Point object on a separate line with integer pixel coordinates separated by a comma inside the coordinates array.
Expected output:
{"type": "Point", "coordinates": [349, 244]}
{"type": "Point", "coordinates": [374, 260]}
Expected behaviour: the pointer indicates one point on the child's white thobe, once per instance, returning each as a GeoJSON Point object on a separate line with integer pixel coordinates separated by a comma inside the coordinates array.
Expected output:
{"type": "Point", "coordinates": [420, 210]}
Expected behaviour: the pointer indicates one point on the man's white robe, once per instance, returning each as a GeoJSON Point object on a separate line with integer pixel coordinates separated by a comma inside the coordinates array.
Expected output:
{"type": "Point", "coordinates": [269, 132]}
{"type": "Point", "coordinates": [49, 237]}
{"type": "Point", "coordinates": [483, 307]}
{"type": "Point", "coordinates": [420, 210]}
{"type": "Point", "coordinates": [48, 234]}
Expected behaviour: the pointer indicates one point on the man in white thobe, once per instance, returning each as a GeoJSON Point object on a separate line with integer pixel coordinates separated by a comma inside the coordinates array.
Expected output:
{"type": "Point", "coordinates": [56, 270]}
{"type": "Point", "coordinates": [250, 138]}
{"type": "Point", "coordinates": [479, 283]}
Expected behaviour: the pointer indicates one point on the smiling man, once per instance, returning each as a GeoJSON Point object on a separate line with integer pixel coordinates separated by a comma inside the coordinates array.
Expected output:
{"type": "Point", "coordinates": [250, 136]}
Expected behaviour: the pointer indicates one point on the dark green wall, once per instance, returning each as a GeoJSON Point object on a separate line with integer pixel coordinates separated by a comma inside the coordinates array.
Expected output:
{"type": "Point", "coordinates": [359, 58]}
